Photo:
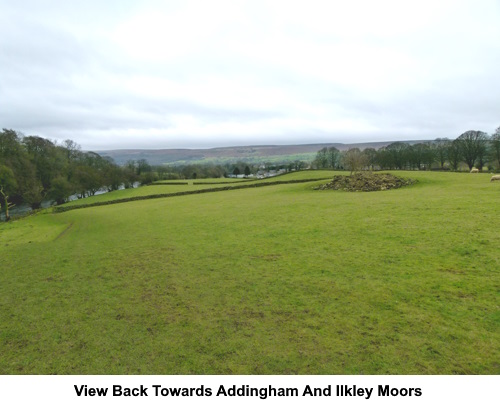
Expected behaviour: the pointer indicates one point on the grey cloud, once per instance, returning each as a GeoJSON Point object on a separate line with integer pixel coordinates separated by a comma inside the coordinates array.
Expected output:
{"type": "Point", "coordinates": [62, 76]}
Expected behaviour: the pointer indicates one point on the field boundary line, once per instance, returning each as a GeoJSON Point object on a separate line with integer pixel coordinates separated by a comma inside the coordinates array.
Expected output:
{"type": "Point", "coordinates": [182, 193]}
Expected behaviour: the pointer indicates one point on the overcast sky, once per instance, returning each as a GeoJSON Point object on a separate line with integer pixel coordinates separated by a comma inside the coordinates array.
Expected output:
{"type": "Point", "coordinates": [169, 74]}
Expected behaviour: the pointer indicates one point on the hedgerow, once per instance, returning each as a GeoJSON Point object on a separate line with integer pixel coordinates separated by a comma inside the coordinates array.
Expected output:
{"type": "Point", "coordinates": [169, 183]}
{"type": "Point", "coordinates": [63, 208]}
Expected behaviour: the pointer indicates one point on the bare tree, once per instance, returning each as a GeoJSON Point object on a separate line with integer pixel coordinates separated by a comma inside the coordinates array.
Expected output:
{"type": "Point", "coordinates": [495, 146]}
{"type": "Point", "coordinates": [321, 160]}
{"type": "Point", "coordinates": [441, 146]}
{"type": "Point", "coordinates": [371, 157]}
{"type": "Point", "coordinates": [332, 157]}
{"type": "Point", "coordinates": [472, 145]}
{"type": "Point", "coordinates": [453, 153]}
{"type": "Point", "coordinates": [354, 160]}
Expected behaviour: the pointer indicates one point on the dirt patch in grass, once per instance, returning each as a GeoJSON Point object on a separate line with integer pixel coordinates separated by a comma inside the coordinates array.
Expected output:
{"type": "Point", "coordinates": [366, 182]}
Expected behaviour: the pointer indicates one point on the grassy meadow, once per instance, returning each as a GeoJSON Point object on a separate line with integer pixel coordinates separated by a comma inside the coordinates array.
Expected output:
{"type": "Point", "coordinates": [273, 280]}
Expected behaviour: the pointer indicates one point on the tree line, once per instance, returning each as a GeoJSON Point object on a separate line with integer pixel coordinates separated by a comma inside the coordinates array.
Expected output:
{"type": "Point", "coordinates": [473, 148]}
{"type": "Point", "coordinates": [205, 171]}
{"type": "Point", "coordinates": [34, 169]}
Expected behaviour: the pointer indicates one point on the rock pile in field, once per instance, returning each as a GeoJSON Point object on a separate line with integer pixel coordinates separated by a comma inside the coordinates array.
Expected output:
{"type": "Point", "coordinates": [366, 181]}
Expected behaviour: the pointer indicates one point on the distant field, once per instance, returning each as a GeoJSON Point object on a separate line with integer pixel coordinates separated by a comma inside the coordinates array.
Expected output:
{"type": "Point", "coordinates": [276, 159]}
{"type": "Point", "coordinates": [273, 280]}
{"type": "Point", "coordinates": [250, 154]}
{"type": "Point", "coordinates": [193, 185]}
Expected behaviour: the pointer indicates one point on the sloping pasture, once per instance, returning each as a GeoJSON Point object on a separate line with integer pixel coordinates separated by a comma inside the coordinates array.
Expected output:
{"type": "Point", "coordinates": [271, 280]}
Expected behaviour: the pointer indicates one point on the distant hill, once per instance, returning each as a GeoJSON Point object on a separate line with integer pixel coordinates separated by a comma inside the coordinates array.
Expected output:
{"type": "Point", "coordinates": [249, 154]}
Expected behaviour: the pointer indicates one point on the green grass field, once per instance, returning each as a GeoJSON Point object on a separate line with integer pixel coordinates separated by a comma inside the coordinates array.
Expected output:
{"type": "Point", "coordinates": [272, 280]}
{"type": "Point", "coordinates": [276, 159]}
